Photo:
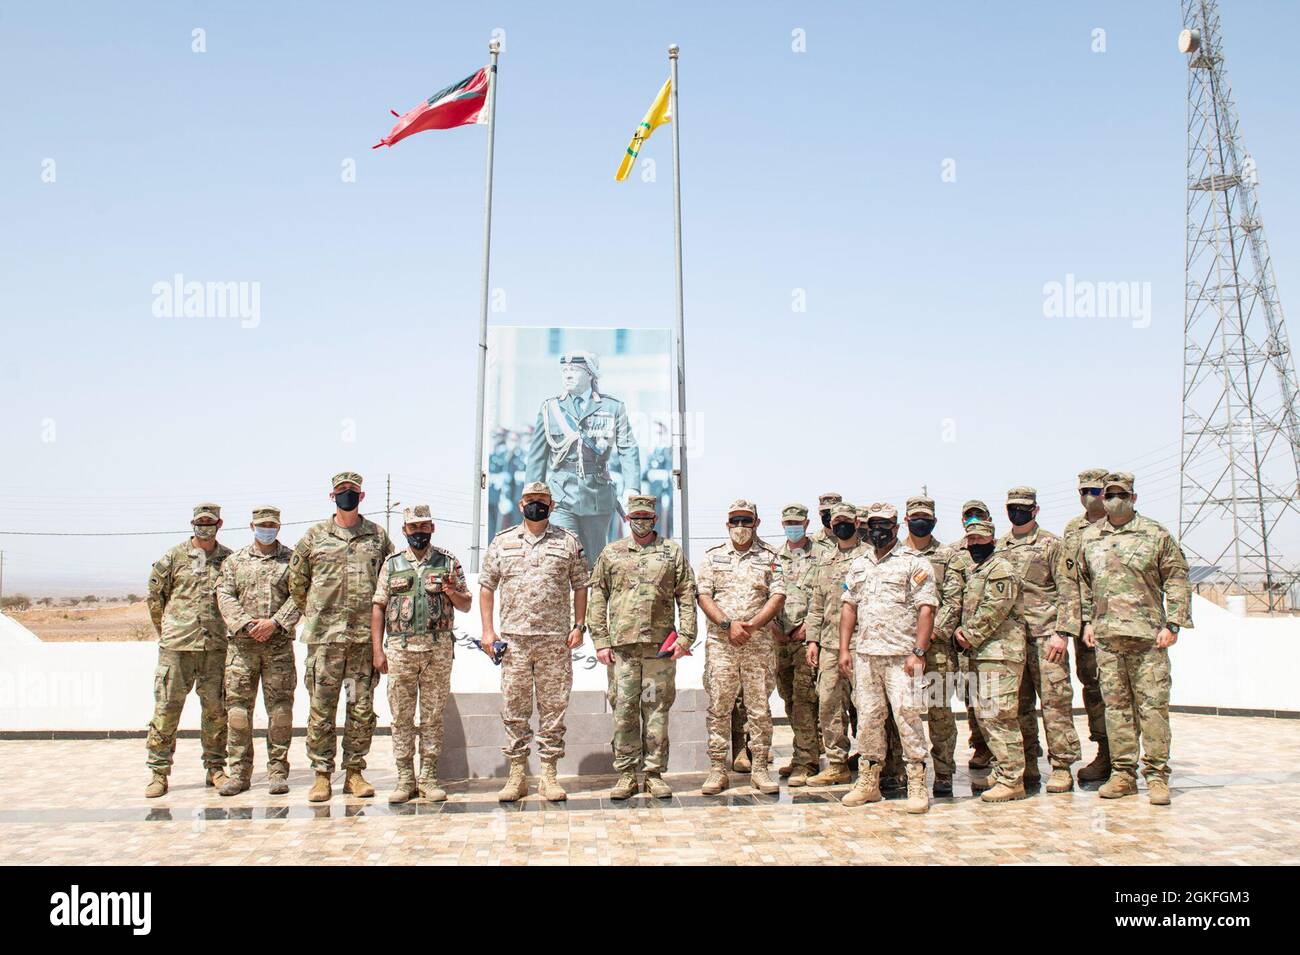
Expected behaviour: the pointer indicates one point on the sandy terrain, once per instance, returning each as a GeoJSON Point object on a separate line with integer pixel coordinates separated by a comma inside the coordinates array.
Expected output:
{"type": "Point", "coordinates": [114, 623]}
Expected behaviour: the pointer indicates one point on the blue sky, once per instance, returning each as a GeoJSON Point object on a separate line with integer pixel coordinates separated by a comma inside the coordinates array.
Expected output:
{"type": "Point", "coordinates": [923, 356]}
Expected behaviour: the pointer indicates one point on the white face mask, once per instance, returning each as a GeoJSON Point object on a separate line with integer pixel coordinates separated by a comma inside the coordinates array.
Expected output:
{"type": "Point", "coordinates": [1119, 509]}
{"type": "Point", "coordinates": [741, 536]}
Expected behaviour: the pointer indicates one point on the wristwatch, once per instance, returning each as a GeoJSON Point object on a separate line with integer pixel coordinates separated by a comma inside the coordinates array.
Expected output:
{"type": "Point", "coordinates": [726, 623]}
{"type": "Point", "coordinates": [917, 651]}
{"type": "Point", "coordinates": [1171, 627]}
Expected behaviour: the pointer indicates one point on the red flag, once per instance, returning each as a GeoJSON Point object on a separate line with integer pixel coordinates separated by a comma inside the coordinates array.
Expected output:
{"type": "Point", "coordinates": [461, 104]}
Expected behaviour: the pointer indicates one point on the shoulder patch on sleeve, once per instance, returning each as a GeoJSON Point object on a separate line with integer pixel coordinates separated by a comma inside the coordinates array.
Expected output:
{"type": "Point", "coordinates": [919, 576]}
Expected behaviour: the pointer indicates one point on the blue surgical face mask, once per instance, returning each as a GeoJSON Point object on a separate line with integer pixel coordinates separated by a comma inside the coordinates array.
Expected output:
{"type": "Point", "coordinates": [266, 535]}
{"type": "Point", "coordinates": [794, 533]}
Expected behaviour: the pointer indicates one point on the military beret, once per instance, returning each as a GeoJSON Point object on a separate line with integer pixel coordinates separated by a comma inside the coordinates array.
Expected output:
{"type": "Point", "coordinates": [1120, 479]}
{"type": "Point", "coordinates": [794, 512]}
{"type": "Point", "coordinates": [844, 509]}
{"type": "Point", "coordinates": [826, 500]}
{"type": "Point", "coordinates": [920, 505]}
{"type": "Point", "coordinates": [975, 505]}
{"type": "Point", "coordinates": [641, 502]}
{"type": "Point", "coordinates": [536, 487]}
{"type": "Point", "coordinates": [346, 477]}
{"type": "Point", "coordinates": [980, 528]}
{"type": "Point", "coordinates": [1022, 495]}
{"type": "Point", "coordinates": [742, 506]}
{"type": "Point", "coordinates": [207, 510]}
{"type": "Point", "coordinates": [584, 358]}
{"type": "Point", "coordinates": [882, 511]}
{"type": "Point", "coordinates": [416, 514]}
{"type": "Point", "coordinates": [263, 514]}
{"type": "Point", "coordinates": [1092, 478]}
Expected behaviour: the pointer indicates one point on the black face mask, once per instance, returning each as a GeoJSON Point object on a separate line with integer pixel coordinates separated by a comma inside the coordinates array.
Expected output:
{"type": "Point", "coordinates": [921, 526]}
{"type": "Point", "coordinates": [881, 536]}
{"type": "Point", "coordinates": [536, 510]}
{"type": "Point", "coordinates": [826, 518]}
{"type": "Point", "coordinates": [347, 500]}
{"type": "Point", "coordinates": [1020, 516]}
{"type": "Point", "coordinates": [981, 552]}
{"type": "Point", "coordinates": [844, 531]}
{"type": "Point", "coordinates": [419, 540]}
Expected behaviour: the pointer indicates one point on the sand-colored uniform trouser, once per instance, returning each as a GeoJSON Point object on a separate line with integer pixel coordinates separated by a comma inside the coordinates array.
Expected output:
{"type": "Point", "coordinates": [748, 672]}
{"type": "Point", "coordinates": [833, 692]}
{"type": "Point", "coordinates": [997, 688]}
{"type": "Point", "coordinates": [1085, 668]}
{"type": "Point", "coordinates": [270, 663]}
{"type": "Point", "coordinates": [796, 682]}
{"type": "Point", "coordinates": [644, 687]}
{"type": "Point", "coordinates": [1050, 683]}
{"type": "Point", "coordinates": [538, 665]}
{"type": "Point", "coordinates": [419, 678]}
{"type": "Point", "coordinates": [1135, 683]}
{"type": "Point", "coordinates": [177, 673]}
{"type": "Point", "coordinates": [881, 688]}
{"type": "Point", "coordinates": [334, 670]}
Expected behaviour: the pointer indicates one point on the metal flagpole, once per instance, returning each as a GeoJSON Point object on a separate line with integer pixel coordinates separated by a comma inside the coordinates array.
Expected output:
{"type": "Point", "coordinates": [681, 321]}
{"type": "Point", "coordinates": [494, 47]}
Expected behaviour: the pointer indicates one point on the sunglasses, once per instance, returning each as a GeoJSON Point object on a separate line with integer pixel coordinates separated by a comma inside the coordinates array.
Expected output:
{"type": "Point", "coordinates": [1090, 491]}
{"type": "Point", "coordinates": [1122, 495]}
{"type": "Point", "coordinates": [740, 522]}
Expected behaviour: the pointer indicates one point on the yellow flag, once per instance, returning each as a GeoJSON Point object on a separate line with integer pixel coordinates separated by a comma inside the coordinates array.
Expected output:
{"type": "Point", "coordinates": [658, 114]}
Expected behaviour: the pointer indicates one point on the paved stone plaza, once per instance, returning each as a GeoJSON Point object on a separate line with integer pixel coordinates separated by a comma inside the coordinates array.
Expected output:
{"type": "Point", "coordinates": [1236, 788]}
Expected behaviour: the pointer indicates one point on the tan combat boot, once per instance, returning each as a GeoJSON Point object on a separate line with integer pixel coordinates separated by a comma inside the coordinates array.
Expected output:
{"type": "Point", "coordinates": [866, 789]}
{"type": "Point", "coordinates": [1001, 792]}
{"type": "Point", "coordinates": [626, 787]}
{"type": "Point", "coordinates": [157, 787]}
{"type": "Point", "coordinates": [278, 785]}
{"type": "Point", "coordinates": [743, 763]}
{"type": "Point", "coordinates": [717, 780]}
{"type": "Point", "coordinates": [1060, 781]}
{"type": "Point", "coordinates": [759, 777]}
{"type": "Point", "coordinates": [918, 800]}
{"type": "Point", "coordinates": [1119, 784]}
{"type": "Point", "coordinates": [800, 774]}
{"type": "Point", "coordinates": [516, 787]}
{"type": "Point", "coordinates": [405, 789]}
{"type": "Point", "coordinates": [979, 784]}
{"type": "Point", "coordinates": [320, 789]}
{"type": "Point", "coordinates": [354, 784]}
{"type": "Point", "coordinates": [216, 777]}
{"type": "Point", "coordinates": [1099, 768]}
{"type": "Point", "coordinates": [549, 786]}
{"type": "Point", "coordinates": [1157, 792]}
{"type": "Point", "coordinates": [428, 787]}
{"type": "Point", "coordinates": [234, 785]}
{"type": "Point", "coordinates": [655, 786]}
{"type": "Point", "coordinates": [835, 774]}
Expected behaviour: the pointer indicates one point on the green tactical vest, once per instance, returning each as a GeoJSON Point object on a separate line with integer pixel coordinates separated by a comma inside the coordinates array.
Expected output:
{"type": "Point", "coordinates": [417, 610]}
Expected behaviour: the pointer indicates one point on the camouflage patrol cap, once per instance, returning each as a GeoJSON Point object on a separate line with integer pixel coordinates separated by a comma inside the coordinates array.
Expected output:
{"type": "Point", "coordinates": [975, 505]}
{"type": "Point", "coordinates": [536, 487]}
{"type": "Point", "coordinates": [824, 501]}
{"type": "Point", "coordinates": [844, 509]}
{"type": "Point", "coordinates": [1121, 479]}
{"type": "Point", "coordinates": [641, 502]}
{"type": "Point", "coordinates": [207, 509]}
{"type": "Point", "coordinates": [584, 358]}
{"type": "Point", "coordinates": [882, 511]}
{"type": "Point", "coordinates": [346, 477]}
{"type": "Point", "coordinates": [416, 513]}
{"type": "Point", "coordinates": [920, 504]}
{"type": "Point", "coordinates": [980, 528]}
{"type": "Point", "coordinates": [1092, 478]}
{"type": "Point", "coordinates": [860, 512]}
{"type": "Point", "coordinates": [263, 514]}
{"type": "Point", "coordinates": [1022, 495]}
{"type": "Point", "coordinates": [794, 512]}
{"type": "Point", "coordinates": [742, 506]}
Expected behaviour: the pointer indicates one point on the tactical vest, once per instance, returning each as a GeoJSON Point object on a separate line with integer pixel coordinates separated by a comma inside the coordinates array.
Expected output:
{"type": "Point", "coordinates": [417, 607]}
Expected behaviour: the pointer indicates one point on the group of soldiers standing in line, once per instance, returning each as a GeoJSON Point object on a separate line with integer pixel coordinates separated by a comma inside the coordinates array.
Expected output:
{"type": "Point", "coordinates": [862, 632]}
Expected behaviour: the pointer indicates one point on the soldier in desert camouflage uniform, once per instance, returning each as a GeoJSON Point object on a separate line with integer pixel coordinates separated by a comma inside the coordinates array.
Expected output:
{"type": "Point", "coordinates": [741, 591]}
{"type": "Point", "coordinates": [261, 617]}
{"type": "Point", "coordinates": [823, 536]}
{"type": "Point", "coordinates": [1085, 657]}
{"type": "Point", "coordinates": [191, 648]}
{"type": "Point", "coordinates": [535, 566]}
{"type": "Point", "coordinates": [416, 598]}
{"type": "Point", "coordinates": [950, 619]}
{"type": "Point", "coordinates": [635, 585]}
{"type": "Point", "coordinates": [796, 680]}
{"type": "Point", "coordinates": [1035, 553]}
{"type": "Point", "coordinates": [993, 636]}
{"type": "Point", "coordinates": [1133, 575]}
{"type": "Point", "coordinates": [332, 576]}
{"type": "Point", "coordinates": [888, 615]}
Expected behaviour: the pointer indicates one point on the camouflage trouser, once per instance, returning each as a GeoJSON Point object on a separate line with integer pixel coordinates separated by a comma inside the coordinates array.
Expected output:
{"type": "Point", "coordinates": [645, 686]}
{"type": "Point", "coordinates": [333, 669]}
{"type": "Point", "coordinates": [966, 694]}
{"type": "Point", "coordinates": [420, 677]}
{"type": "Point", "coordinates": [271, 663]}
{"type": "Point", "coordinates": [997, 709]}
{"type": "Point", "coordinates": [540, 663]}
{"type": "Point", "coordinates": [746, 671]}
{"type": "Point", "coordinates": [178, 672]}
{"type": "Point", "coordinates": [1050, 682]}
{"type": "Point", "coordinates": [833, 690]}
{"type": "Point", "coordinates": [1135, 682]}
{"type": "Point", "coordinates": [1085, 668]}
{"type": "Point", "coordinates": [941, 723]}
{"type": "Point", "coordinates": [797, 685]}
{"type": "Point", "coordinates": [881, 687]}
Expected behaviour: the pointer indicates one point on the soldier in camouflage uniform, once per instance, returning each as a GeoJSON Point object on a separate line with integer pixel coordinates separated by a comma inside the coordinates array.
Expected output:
{"type": "Point", "coordinates": [634, 587]}
{"type": "Point", "coordinates": [1133, 577]}
{"type": "Point", "coordinates": [824, 584]}
{"type": "Point", "coordinates": [535, 566]}
{"type": "Point", "coordinates": [796, 680]}
{"type": "Point", "coordinates": [889, 602]}
{"type": "Point", "coordinates": [741, 591]}
{"type": "Point", "coordinates": [1085, 657]}
{"type": "Point", "coordinates": [1035, 553]}
{"type": "Point", "coordinates": [191, 648]}
{"type": "Point", "coordinates": [411, 639]}
{"type": "Point", "coordinates": [950, 619]}
{"type": "Point", "coordinates": [940, 657]}
{"type": "Point", "coordinates": [332, 576]}
{"type": "Point", "coordinates": [254, 599]}
{"type": "Point", "coordinates": [993, 636]}
{"type": "Point", "coordinates": [823, 537]}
